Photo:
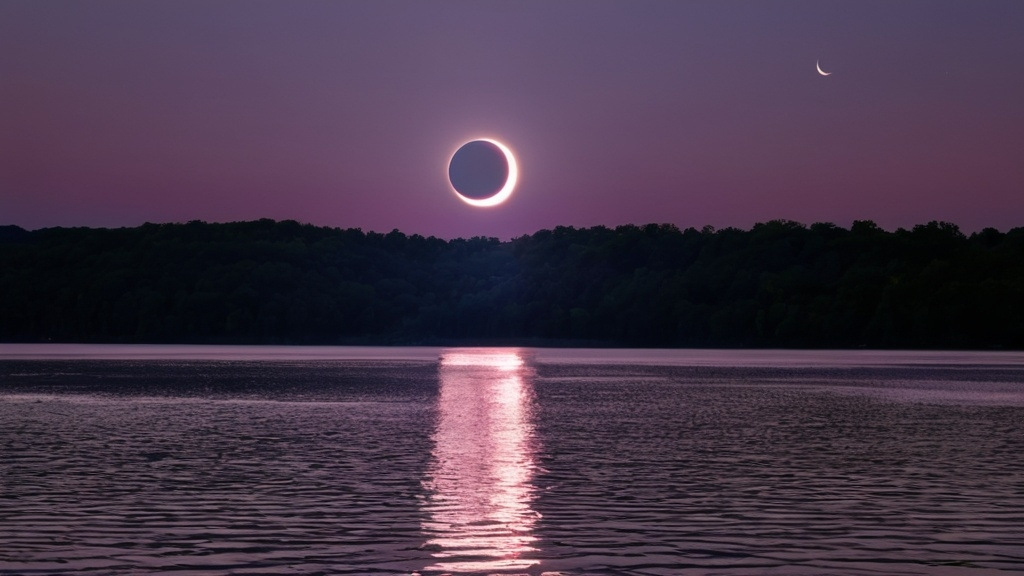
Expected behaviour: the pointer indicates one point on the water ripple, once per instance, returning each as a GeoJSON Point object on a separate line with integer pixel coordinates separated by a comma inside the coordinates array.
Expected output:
{"type": "Point", "coordinates": [133, 467]}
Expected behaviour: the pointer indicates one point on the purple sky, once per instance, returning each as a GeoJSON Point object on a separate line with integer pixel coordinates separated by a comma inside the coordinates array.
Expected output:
{"type": "Point", "coordinates": [345, 114]}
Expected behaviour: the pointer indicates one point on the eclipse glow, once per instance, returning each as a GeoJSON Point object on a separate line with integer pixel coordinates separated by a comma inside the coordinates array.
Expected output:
{"type": "Point", "coordinates": [469, 166]}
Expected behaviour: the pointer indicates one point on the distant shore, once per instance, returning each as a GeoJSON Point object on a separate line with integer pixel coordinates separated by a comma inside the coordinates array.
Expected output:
{"type": "Point", "coordinates": [779, 285]}
{"type": "Point", "coordinates": [688, 357]}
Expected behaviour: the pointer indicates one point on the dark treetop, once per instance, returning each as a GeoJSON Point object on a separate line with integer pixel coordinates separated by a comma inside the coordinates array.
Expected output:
{"type": "Point", "coordinates": [780, 284]}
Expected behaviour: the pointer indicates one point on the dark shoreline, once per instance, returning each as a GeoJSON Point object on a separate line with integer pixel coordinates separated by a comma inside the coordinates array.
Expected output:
{"type": "Point", "coordinates": [779, 285]}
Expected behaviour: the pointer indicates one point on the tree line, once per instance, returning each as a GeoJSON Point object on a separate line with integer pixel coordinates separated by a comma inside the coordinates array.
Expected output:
{"type": "Point", "coordinates": [778, 284]}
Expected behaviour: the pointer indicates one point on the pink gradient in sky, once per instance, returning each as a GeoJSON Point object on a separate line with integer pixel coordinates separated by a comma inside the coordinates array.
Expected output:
{"type": "Point", "coordinates": [345, 113]}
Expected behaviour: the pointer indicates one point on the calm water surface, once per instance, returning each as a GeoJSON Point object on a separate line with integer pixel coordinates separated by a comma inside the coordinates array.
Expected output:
{"type": "Point", "coordinates": [235, 460]}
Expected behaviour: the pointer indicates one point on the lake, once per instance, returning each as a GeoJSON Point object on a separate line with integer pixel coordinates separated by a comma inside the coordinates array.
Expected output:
{"type": "Point", "coordinates": [427, 461]}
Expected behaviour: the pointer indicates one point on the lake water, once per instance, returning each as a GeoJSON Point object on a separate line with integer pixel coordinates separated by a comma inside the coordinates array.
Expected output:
{"type": "Point", "coordinates": [238, 460]}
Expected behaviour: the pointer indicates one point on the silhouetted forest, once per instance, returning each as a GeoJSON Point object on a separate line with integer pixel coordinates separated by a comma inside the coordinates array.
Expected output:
{"type": "Point", "coordinates": [779, 284]}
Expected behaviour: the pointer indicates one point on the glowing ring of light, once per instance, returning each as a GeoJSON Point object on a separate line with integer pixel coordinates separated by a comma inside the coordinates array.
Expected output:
{"type": "Point", "coordinates": [510, 182]}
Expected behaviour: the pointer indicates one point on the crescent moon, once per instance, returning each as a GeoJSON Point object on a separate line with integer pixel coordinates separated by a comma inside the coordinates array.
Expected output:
{"type": "Point", "coordinates": [510, 182]}
{"type": "Point", "coordinates": [820, 71]}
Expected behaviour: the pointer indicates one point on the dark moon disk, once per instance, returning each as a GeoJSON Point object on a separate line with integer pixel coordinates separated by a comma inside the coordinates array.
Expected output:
{"type": "Point", "coordinates": [478, 170]}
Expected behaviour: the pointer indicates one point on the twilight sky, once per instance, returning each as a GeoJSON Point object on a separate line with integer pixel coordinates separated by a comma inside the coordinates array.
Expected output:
{"type": "Point", "coordinates": [345, 114]}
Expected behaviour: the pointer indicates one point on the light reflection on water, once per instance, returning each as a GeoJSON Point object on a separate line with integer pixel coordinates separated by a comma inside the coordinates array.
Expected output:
{"type": "Point", "coordinates": [480, 490]}
{"type": "Point", "coordinates": [699, 462]}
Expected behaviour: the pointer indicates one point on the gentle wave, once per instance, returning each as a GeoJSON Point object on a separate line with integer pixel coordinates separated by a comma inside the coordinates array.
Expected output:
{"type": "Point", "coordinates": [494, 466]}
